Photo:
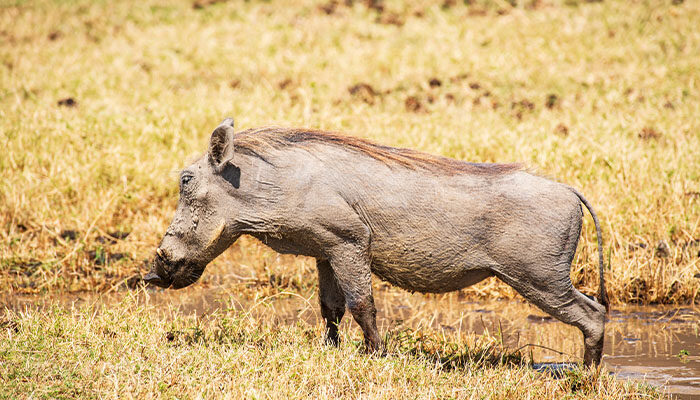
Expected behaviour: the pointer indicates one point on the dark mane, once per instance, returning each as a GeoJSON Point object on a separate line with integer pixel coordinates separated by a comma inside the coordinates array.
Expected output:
{"type": "Point", "coordinates": [255, 141]}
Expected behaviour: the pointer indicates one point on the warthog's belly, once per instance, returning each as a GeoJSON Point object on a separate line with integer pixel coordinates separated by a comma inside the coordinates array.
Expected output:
{"type": "Point", "coordinates": [432, 278]}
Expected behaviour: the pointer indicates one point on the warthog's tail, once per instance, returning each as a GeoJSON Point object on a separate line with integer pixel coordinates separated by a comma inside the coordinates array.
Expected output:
{"type": "Point", "coordinates": [602, 294]}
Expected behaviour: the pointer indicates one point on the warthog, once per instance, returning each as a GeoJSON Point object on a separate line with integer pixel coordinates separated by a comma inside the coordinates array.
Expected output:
{"type": "Point", "coordinates": [421, 222]}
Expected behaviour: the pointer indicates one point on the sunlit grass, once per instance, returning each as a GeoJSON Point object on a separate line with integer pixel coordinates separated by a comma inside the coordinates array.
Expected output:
{"type": "Point", "coordinates": [128, 350]}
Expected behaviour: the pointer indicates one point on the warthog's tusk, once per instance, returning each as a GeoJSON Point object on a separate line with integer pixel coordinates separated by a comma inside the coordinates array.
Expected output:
{"type": "Point", "coordinates": [160, 253]}
{"type": "Point", "coordinates": [217, 233]}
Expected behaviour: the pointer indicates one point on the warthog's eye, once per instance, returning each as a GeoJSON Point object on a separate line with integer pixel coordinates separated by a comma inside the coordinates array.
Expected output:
{"type": "Point", "coordinates": [185, 179]}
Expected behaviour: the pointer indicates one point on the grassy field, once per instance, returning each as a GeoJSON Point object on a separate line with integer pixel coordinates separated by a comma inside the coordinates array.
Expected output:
{"type": "Point", "coordinates": [101, 103]}
{"type": "Point", "coordinates": [134, 351]}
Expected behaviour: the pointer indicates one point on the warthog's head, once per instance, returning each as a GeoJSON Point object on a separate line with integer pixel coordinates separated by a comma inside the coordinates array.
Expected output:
{"type": "Point", "coordinates": [203, 225]}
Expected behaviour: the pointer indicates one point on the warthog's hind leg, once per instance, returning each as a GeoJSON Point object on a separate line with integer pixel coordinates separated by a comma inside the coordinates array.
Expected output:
{"type": "Point", "coordinates": [556, 296]}
{"type": "Point", "coordinates": [332, 301]}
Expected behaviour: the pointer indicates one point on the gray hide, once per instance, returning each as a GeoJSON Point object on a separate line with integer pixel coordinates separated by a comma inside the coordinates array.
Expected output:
{"type": "Point", "coordinates": [421, 222]}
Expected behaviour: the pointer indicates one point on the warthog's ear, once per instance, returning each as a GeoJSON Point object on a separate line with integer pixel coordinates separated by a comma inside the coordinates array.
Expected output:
{"type": "Point", "coordinates": [221, 145]}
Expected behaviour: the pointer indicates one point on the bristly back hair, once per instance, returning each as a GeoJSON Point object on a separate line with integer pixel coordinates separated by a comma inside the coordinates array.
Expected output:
{"type": "Point", "coordinates": [255, 141]}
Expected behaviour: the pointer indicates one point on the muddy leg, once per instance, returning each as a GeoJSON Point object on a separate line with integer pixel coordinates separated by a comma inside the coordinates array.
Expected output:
{"type": "Point", "coordinates": [365, 314]}
{"type": "Point", "coordinates": [557, 297]}
{"type": "Point", "coordinates": [332, 301]}
{"type": "Point", "coordinates": [352, 271]}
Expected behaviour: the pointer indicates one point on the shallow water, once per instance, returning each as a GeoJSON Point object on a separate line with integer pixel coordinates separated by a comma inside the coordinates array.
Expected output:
{"type": "Point", "coordinates": [659, 344]}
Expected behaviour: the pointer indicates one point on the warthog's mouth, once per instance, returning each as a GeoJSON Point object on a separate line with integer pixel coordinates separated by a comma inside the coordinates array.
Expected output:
{"type": "Point", "coordinates": [188, 276]}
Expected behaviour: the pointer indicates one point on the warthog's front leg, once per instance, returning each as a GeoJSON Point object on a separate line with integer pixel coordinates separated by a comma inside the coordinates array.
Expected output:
{"type": "Point", "coordinates": [332, 300]}
{"type": "Point", "coordinates": [352, 270]}
{"type": "Point", "coordinates": [365, 314]}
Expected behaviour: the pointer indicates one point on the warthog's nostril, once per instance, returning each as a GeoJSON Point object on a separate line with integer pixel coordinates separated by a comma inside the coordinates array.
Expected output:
{"type": "Point", "coordinates": [156, 280]}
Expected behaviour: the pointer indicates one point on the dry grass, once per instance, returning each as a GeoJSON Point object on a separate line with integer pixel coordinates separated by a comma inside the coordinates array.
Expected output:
{"type": "Point", "coordinates": [100, 103]}
{"type": "Point", "coordinates": [131, 351]}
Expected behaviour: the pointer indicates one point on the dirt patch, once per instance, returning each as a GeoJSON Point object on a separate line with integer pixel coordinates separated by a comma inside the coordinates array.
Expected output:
{"type": "Point", "coordinates": [636, 246]}
{"type": "Point", "coordinates": [662, 249]}
{"type": "Point", "coordinates": [200, 4]}
{"type": "Point", "coordinates": [364, 92]}
{"type": "Point", "coordinates": [390, 18]}
{"type": "Point", "coordinates": [68, 102]}
{"type": "Point", "coordinates": [413, 104]}
{"type": "Point", "coordinates": [535, 5]}
{"type": "Point", "coordinates": [476, 12]}
{"type": "Point", "coordinates": [329, 8]}
{"type": "Point", "coordinates": [285, 83]}
{"type": "Point", "coordinates": [9, 324]}
{"type": "Point", "coordinates": [434, 82]}
{"type": "Point", "coordinates": [145, 67]}
{"type": "Point", "coordinates": [68, 234]}
{"type": "Point", "coordinates": [519, 108]}
{"type": "Point", "coordinates": [376, 5]}
{"type": "Point", "coordinates": [649, 133]}
{"type": "Point", "coordinates": [333, 5]}
{"type": "Point", "coordinates": [447, 4]}
{"type": "Point", "coordinates": [524, 104]}
{"type": "Point", "coordinates": [119, 235]}
{"type": "Point", "coordinates": [551, 101]}
{"type": "Point", "coordinates": [22, 266]}
{"type": "Point", "coordinates": [561, 130]}
{"type": "Point", "coordinates": [384, 16]}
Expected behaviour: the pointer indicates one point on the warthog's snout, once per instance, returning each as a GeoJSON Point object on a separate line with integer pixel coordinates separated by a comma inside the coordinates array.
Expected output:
{"type": "Point", "coordinates": [171, 272]}
{"type": "Point", "coordinates": [159, 276]}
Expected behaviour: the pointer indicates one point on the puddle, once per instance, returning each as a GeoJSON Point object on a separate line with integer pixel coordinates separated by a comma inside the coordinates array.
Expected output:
{"type": "Point", "coordinates": [658, 344]}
